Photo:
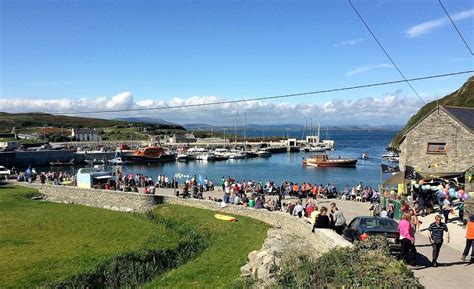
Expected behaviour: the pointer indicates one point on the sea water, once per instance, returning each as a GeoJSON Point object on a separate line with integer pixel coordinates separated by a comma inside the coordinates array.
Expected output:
{"type": "Point", "coordinates": [288, 166]}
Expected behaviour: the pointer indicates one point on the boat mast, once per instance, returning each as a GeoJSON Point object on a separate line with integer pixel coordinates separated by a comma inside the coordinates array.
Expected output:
{"type": "Point", "coordinates": [245, 127]}
{"type": "Point", "coordinates": [304, 129]}
{"type": "Point", "coordinates": [235, 129]}
{"type": "Point", "coordinates": [319, 129]}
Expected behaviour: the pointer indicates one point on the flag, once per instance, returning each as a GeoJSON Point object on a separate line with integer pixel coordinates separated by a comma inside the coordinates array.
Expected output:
{"type": "Point", "coordinates": [28, 171]}
{"type": "Point", "coordinates": [389, 169]}
{"type": "Point", "coordinates": [411, 174]}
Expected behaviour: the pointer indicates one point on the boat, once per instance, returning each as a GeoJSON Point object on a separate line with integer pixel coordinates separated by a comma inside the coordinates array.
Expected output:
{"type": "Point", "coordinates": [236, 154]}
{"type": "Point", "coordinates": [149, 154]}
{"type": "Point", "coordinates": [59, 163]}
{"type": "Point", "coordinates": [294, 149]}
{"type": "Point", "coordinates": [394, 159]}
{"type": "Point", "coordinates": [182, 157]}
{"type": "Point", "coordinates": [277, 149]}
{"type": "Point", "coordinates": [205, 157]}
{"type": "Point", "coordinates": [364, 156]}
{"type": "Point", "coordinates": [323, 160]}
{"type": "Point", "coordinates": [264, 153]}
{"type": "Point", "coordinates": [316, 148]}
{"type": "Point", "coordinates": [117, 161]}
{"type": "Point", "coordinates": [250, 154]}
{"type": "Point", "coordinates": [194, 152]}
{"type": "Point", "coordinates": [390, 155]}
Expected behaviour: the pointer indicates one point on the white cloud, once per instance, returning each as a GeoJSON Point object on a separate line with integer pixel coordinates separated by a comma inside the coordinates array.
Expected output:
{"type": "Point", "coordinates": [425, 27]}
{"type": "Point", "coordinates": [361, 69]}
{"type": "Point", "coordinates": [348, 42]}
{"type": "Point", "coordinates": [390, 108]}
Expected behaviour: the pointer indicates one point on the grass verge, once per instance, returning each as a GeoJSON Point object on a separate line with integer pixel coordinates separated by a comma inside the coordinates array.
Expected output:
{"type": "Point", "coordinates": [218, 266]}
{"type": "Point", "coordinates": [62, 245]}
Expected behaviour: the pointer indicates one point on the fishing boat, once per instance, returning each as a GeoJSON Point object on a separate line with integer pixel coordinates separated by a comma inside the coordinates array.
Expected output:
{"type": "Point", "coordinates": [117, 161]}
{"type": "Point", "coordinates": [323, 160]}
{"type": "Point", "coordinates": [235, 154]}
{"type": "Point", "coordinates": [149, 154]}
{"type": "Point", "coordinates": [264, 153]}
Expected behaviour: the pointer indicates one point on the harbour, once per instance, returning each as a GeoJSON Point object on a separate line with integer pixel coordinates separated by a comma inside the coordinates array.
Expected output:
{"type": "Point", "coordinates": [278, 167]}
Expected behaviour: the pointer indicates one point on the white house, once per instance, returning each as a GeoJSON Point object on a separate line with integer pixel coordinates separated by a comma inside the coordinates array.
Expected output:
{"type": "Point", "coordinates": [85, 134]}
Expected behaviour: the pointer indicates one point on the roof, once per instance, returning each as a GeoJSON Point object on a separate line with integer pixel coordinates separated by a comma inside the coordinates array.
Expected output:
{"type": "Point", "coordinates": [463, 115]}
{"type": "Point", "coordinates": [85, 131]}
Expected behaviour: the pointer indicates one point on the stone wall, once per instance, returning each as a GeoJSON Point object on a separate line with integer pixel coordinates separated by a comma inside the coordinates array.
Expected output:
{"type": "Point", "coordinates": [117, 201]}
{"type": "Point", "coordinates": [322, 241]}
{"type": "Point", "coordinates": [438, 127]}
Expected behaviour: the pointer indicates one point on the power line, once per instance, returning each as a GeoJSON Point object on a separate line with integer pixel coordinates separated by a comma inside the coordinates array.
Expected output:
{"type": "Point", "coordinates": [455, 27]}
{"type": "Point", "coordinates": [386, 53]}
{"type": "Point", "coordinates": [275, 96]}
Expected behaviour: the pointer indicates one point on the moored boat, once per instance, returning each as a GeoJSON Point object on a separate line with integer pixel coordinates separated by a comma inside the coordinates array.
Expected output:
{"type": "Point", "coordinates": [324, 161]}
{"type": "Point", "coordinates": [264, 153]}
{"type": "Point", "coordinates": [149, 154]}
{"type": "Point", "coordinates": [117, 161]}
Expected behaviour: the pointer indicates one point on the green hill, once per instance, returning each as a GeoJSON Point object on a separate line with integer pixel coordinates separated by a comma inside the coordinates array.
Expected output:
{"type": "Point", "coordinates": [463, 97]}
{"type": "Point", "coordinates": [28, 120]}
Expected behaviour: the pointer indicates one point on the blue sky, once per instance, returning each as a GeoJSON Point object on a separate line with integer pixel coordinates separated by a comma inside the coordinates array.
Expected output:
{"type": "Point", "coordinates": [58, 55]}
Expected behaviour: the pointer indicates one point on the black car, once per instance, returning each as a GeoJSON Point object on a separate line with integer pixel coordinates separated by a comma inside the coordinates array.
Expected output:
{"type": "Point", "coordinates": [360, 228]}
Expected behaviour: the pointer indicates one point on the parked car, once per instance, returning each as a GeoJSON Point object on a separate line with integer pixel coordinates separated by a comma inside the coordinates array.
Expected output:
{"type": "Point", "coordinates": [4, 173]}
{"type": "Point", "coordinates": [360, 228]}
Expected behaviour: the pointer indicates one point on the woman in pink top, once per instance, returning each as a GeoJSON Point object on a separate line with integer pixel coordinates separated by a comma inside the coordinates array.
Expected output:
{"type": "Point", "coordinates": [407, 240]}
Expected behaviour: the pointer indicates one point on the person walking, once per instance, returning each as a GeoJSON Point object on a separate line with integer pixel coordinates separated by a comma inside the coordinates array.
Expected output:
{"type": "Point", "coordinates": [436, 235]}
{"type": "Point", "coordinates": [337, 219]}
{"type": "Point", "coordinates": [469, 240]}
{"type": "Point", "coordinates": [407, 239]}
{"type": "Point", "coordinates": [446, 208]}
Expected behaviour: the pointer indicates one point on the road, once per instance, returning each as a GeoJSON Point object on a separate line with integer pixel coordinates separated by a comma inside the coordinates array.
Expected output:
{"type": "Point", "coordinates": [451, 273]}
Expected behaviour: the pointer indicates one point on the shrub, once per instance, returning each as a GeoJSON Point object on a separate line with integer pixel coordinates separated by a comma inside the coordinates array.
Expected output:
{"type": "Point", "coordinates": [368, 264]}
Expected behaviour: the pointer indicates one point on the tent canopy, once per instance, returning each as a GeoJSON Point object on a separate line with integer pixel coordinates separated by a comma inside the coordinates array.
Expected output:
{"type": "Point", "coordinates": [397, 178]}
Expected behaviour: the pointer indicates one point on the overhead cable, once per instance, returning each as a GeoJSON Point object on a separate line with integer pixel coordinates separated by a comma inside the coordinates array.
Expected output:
{"type": "Point", "coordinates": [455, 27]}
{"type": "Point", "coordinates": [386, 53]}
{"type": "Point", "coordinates": [167, 107]}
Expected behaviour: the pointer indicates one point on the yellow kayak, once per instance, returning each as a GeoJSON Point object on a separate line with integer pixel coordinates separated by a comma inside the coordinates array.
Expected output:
{"type": "Point", "coordinates": [225, 218]}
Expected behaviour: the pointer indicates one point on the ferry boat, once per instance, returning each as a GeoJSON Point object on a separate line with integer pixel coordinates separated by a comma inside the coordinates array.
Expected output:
{"type": "Point", "coordinates": [324, 161]}
{"type": "Point", "coordinates": [149, 154]}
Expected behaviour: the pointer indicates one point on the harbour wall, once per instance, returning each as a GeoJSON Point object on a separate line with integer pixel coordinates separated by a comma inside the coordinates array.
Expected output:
{"type": "Point", "coordinates": [322, 240]}
{"type": "Point", "coordinates": [45, 157]}
{"type": "Point", "coordinates": [37, 158]}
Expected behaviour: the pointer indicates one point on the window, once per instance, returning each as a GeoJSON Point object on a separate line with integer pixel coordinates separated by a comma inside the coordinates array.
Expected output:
{"type": "Point", "coordinates": [436, 148]}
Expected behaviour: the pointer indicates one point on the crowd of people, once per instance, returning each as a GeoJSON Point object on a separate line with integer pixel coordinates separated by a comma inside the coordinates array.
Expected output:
{"type": "Point", "coordinates": [302, 203]}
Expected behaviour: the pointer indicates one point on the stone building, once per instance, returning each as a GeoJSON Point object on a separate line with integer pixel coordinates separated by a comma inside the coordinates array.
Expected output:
{"type": "Point", "coordinates": [441, 142]}
{"type": "Point", "coordinates": [183, 138]}
{"type": "Point", "coordinates": [85, 134]}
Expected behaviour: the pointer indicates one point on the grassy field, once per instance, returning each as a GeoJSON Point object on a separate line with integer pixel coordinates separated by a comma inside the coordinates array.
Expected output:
{"type": "Point", "coordinates": [219, 265]}
{"type": "Point", "coordinates": [45, 243]}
